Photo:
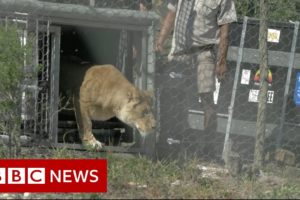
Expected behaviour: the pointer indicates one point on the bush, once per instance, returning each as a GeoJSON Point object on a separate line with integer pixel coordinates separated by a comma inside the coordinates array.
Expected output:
{"type": "Point", "coordinates": [14, 54]}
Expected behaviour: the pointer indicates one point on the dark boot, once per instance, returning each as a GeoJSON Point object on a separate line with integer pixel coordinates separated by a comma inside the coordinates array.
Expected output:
{"type": "Point", "coordinates": [210, 125]}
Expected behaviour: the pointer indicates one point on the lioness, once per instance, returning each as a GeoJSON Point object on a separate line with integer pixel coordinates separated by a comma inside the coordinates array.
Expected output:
{"type": "Point", "coordinates": [106, 93]}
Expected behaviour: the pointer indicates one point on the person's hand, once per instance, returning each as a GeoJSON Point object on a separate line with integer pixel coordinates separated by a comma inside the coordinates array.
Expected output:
{"type": "Point", "coordinates": [159, 48]}
{"type": "Point", "coordinates": [221, 69]}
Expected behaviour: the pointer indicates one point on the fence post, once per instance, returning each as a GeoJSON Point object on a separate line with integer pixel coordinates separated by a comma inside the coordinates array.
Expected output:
{"type": "Point", "coordinates": [287, 84]}
{"type": "Point", "coordinates": [263, 90]}
{"type": "Point", "coordinates": [226, 148]}
{"type": "Point", "coordinates": [92, 3]}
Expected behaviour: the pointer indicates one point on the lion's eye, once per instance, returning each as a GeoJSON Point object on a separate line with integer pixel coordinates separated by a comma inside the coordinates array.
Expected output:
{"type": "Point", "coordinates": [146, 112]}
{"type": "Point", "coordinates": [143, 113]}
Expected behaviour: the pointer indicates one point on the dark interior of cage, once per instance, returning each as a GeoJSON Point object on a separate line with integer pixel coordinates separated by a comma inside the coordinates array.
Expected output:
{"type": "Point", "coordinates": [81, 48]}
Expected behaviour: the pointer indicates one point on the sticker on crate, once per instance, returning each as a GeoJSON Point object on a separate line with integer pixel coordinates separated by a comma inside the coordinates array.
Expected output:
{"type": "Point", "coordinates": [257, 77]}
{"type": "Point", "coordinates": [253, 96]}
{"type": "Point", "coordinates": [297, 90]}
{"type": "Point", "coordinates": [246, 74]}
{"type": "Point", "coordinates": [273, 35]}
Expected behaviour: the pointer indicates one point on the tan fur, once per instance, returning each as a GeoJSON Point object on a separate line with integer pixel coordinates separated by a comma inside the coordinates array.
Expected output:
{"type": "Point", "coordinates": [106, 93]}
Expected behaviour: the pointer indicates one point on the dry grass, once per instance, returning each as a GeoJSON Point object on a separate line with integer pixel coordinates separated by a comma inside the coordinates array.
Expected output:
{"type": "Point", "coordinates": [135, 177]}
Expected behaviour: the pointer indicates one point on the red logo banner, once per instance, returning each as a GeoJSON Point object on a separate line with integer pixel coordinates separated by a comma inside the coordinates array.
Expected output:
{"type": "Point", "coordinates": [53, 175]}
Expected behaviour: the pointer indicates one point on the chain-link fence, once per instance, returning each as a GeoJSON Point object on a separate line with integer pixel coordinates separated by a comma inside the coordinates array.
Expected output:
{"type": "Point", "coordinates": [96, 31]}
{"type": "Point", "coordinates": [32, 96]}
{"type": "Point", "coordinates": [16, 74]}
{"type": "Point", "coordinates": [237, 97]}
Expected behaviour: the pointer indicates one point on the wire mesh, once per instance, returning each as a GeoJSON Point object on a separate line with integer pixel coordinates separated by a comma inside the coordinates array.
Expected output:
{"type": "Point", "coordinates": [237, 114]}
{"type": "Point", "coordinates": [180, 132]}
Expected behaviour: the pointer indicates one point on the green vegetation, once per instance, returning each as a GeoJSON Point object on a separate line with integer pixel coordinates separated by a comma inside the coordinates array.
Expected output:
{"type": "Point", "coordinates": [279, 10]}
{"type": "Point", "coordinates": [13, 54]}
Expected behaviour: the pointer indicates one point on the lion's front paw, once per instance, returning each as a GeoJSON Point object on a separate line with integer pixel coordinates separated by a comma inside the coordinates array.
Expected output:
{"type": "Point", "coordinates": [93, 145]}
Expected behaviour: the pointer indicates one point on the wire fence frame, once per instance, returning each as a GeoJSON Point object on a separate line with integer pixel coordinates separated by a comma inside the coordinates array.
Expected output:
{"type": "Point", "coordinates": [227, 145]}
{"type": "Point", "coordinates": [288, 81]}
{"type": "Point", "coordinates": [261, 121]}
{"type": "Point", "coordinates": [149, 59]}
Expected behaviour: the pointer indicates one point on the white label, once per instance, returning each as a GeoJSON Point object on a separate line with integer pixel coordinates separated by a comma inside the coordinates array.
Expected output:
{"type": "Point", "coordinates": [270, 97]}
{"type": "Point", "coordinates": [217, 91]}
{"type": "Point", "coordinates": [273, 35]}
{"type": "Point", "coordinates": [246, 74]}
{"type": "Point", "coordinates": [253, 96]}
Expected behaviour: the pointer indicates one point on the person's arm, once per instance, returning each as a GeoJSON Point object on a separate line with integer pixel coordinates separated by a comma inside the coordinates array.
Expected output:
{"type": "Point", "coordinates": [221, 67]}
{"type": "Point", "coordinates": [165, 30]}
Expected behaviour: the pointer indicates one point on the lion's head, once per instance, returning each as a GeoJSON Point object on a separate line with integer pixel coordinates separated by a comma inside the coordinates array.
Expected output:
{"type": "Point", "coordinates": [138, 112]}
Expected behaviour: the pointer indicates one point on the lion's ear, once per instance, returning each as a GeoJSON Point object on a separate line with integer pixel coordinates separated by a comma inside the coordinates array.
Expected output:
{"type": "Point", "coordinates": [149, 96]}
{"type": "Point", "coordinates": [149, 93]}
{"type": "Point", "coordinates": [132, 96]}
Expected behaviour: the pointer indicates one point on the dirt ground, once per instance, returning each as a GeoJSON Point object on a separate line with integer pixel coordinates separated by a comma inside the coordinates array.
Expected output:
{"type": "Point", "coordinates": [136, 177]}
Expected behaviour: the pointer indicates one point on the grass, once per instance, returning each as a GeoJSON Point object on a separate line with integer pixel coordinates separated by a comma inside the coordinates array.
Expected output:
{"type": "Point", "coordinates": [136, 177]}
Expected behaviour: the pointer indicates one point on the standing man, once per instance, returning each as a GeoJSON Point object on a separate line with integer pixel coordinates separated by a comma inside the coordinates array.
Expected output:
{"type": "Point", "coordinates": [199, 26]}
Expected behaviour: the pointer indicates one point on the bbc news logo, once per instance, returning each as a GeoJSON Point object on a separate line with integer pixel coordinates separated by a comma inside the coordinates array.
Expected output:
{"type": "Point", "coordinates": [87, 175]}
{"type": "Point", "coordinates": [18, 176]}
{"type": "Point", "coordinates": [38, 176]}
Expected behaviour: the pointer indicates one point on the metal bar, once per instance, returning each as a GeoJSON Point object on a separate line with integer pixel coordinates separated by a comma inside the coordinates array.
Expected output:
{"type": "Point", "coordinates": [292, 124]}
{"type": "Point", "coordinates": [237, 73]}
{"type": "Point", "coordinates": [151, 77]}
{"type": "Point", "coordinates": [275, 58]}
{"type": "Point", "coordinates": [149, 142]}
{"type": "Point", "coordinates": [80, 12]}
{"type": "Point", "coordinates": [200, 112]}
{"type": "Point", "coordinates": [118, 25]}
{"type": "Point", "coordinates": [98, 24]}
{"type": "Point", "coordinates": [104, 149]}
{"type": "Point", "coordinates": [25, 140]}
{"type": "Point", "coordinates": [54, 84]}
{"type": "Point", "coordinates": [287, 84]}
{"type": "Point", "coordinates": [24, 110]}
{"type": "Point", "coordinates": [36, 62]}
{"type": "Point", "coordinates": [158, 113]}
{"type": "Point", "coordinates": [150, 59]}
{"type": "Point", "coordinates": [128, 56]}
{"type": "Point", "coordinates": [92, 3]}
{"type": "Point", "coordinates": [122, 50]}
{"type": "Point", "coordinates": [46, 120]}
{"type": "Point", "coordinates": [144, 66]}
{"type": "Point", "coordinates": [42, 78]}
{"type": "Point", "coordinates": [48, 50]}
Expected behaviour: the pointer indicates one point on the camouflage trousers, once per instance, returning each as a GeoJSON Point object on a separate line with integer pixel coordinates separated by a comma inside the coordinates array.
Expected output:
{"type": "Point", "coordinates": [204, 63]}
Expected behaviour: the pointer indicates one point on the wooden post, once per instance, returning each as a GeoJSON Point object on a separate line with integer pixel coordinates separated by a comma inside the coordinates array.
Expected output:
{"type": "Point", "coordinates": [263, 90]}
